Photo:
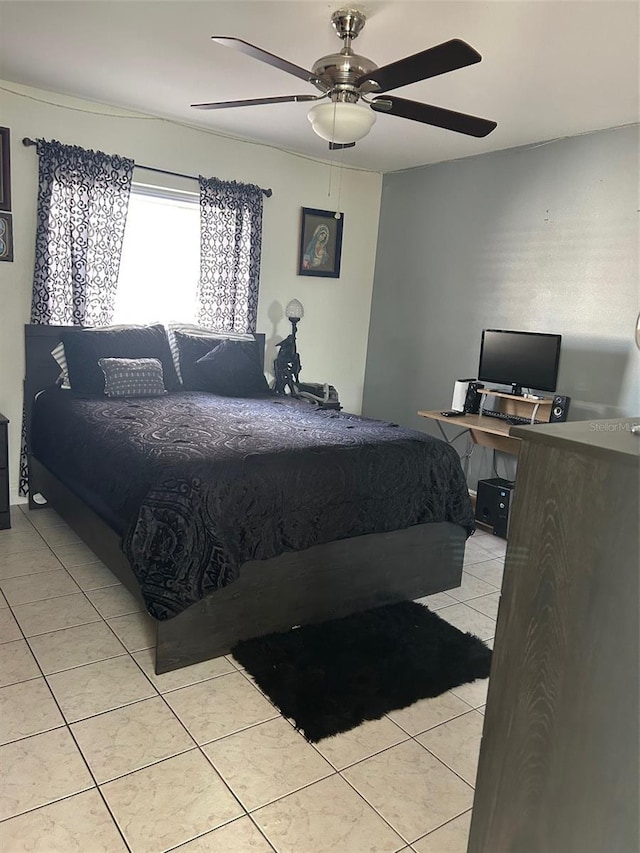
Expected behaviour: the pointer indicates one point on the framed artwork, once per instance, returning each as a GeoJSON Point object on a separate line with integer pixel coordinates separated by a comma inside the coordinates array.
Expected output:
{"type": "Point", "coordinates": [6, 237]}
{"type": "Point", "coordinates": [320, 243]}
{"type": "Point", "coordinates": [5, 170]}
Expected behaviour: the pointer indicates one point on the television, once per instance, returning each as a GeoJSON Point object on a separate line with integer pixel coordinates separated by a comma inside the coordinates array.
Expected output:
{"type": "Point", "coordinates": [528, 359]}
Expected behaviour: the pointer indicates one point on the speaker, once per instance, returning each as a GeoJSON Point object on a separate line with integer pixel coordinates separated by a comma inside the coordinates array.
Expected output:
{"type": "Point", "coordinates": [493, 502]}
{"type": "Point", "coordinates": [460, 394]}
{"type": "Point", "coordinates": [472, 399]}
{"type": "Point", "coordinates": [559, 409]}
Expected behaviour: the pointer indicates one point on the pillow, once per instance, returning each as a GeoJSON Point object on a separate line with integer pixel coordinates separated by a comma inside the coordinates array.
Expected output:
{"type": "Point", "coordinates": [84, 347]}
{"type": "Point", "coordinates": [60, 358]}
{"type": "Point", "coordinates": [232, 369]}
{"type": "Point", "coordinates": [132, 377]}
{"type": "Point", "coordinates": [190, 349]}
{"type": "Point", "coordinates": [200, 332]}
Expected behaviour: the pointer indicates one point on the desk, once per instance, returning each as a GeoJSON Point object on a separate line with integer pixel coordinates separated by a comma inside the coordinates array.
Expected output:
{"type": "Point", "coordinates": [485, 431]}
{"type": "Point", "coordinates": [493, 432]}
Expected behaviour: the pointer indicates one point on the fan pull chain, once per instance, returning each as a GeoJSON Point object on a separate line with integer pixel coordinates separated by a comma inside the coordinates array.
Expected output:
{"type": "Point", "coordinates": [333, 135]}
{"type": "Point", "coordinates": [330, 175]}
{"type": "Point", "coordinates": [341, 167]}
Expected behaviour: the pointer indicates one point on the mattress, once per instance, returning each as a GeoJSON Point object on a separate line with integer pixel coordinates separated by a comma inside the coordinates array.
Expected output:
{"type": "Point", "coordinates": [198, 484]}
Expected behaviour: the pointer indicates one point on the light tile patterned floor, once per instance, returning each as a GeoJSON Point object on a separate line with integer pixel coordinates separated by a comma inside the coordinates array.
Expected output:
{"type": "Point", "coordinates": [100, 754]}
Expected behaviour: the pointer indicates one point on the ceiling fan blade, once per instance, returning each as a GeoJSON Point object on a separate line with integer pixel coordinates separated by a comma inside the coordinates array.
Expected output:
{"type": "Point", "coordinates": [429, 63]}
{"type": "Point", "coordinates": [264, 56]}
{"type": "Point", "coordinates": [254, 102]}
{"type": "Point", "coordinates": [337, 146]}
{"type": "Point", "coordinates": [437, 116]}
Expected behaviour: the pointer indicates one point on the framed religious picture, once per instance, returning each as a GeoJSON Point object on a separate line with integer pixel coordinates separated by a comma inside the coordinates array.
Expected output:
{"type": "Point", "coordinates": [6, 237]}
{"type": "Point", "coordinates": [5, 170]}
{"type": "Point", "coordinates": [320, 243]}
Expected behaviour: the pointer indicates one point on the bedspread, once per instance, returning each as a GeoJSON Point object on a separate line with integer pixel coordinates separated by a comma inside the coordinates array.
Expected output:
{"type": "Point", "coordinates": [198, 484]}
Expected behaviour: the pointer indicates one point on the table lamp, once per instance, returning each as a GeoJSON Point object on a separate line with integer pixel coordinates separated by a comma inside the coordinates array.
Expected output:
{"type": "Point", "coordinates": [294, 313]}
{"type": "Point", "coordinates": [287, 364]}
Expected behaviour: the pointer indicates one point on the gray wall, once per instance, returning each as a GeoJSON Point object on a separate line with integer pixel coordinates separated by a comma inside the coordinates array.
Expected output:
{"type": "Point", "coordinates": [537, 239]}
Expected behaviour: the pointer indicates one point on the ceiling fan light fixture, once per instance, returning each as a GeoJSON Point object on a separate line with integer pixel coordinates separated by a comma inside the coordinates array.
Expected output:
{"type": "Point", "coordinates": [341, 122]}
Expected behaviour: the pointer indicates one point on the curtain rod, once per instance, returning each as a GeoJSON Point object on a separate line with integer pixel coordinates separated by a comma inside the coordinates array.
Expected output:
{"type": "Point", "coordinates": [267, 192]}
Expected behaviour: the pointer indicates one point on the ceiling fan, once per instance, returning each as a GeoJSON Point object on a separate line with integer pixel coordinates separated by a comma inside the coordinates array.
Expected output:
{"type": "Point", "coordinates": [345, 78]}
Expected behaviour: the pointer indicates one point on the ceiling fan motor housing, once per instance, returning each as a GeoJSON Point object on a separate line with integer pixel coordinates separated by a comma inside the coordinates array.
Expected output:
{"type": "Point", "coordinates": [339, 71]}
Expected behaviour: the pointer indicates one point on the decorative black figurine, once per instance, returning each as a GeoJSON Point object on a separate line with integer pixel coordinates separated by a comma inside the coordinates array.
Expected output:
{"type": "Point", "coordinates": [287, 366]}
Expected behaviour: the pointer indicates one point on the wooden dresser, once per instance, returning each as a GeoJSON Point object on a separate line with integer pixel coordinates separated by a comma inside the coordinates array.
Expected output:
{"type": "Point", "coordinates": [559, 762]}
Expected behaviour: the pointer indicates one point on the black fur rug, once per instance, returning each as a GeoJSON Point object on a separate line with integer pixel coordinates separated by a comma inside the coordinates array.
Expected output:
{"type": "Point", "coordinates": [331, 677]}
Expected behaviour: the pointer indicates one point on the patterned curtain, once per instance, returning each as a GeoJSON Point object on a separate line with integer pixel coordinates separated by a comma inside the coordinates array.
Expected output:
{"type": "Point", "coordinates": [230, 248]}
{"type": "Point", "coordinates": [83, 198]}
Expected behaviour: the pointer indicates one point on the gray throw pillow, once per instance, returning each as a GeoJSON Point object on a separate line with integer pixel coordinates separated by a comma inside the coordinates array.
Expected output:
{"type": "Point", "coordinates": [132, 377]}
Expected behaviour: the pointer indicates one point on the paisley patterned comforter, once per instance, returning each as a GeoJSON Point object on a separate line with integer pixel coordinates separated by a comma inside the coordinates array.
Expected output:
{"type": "Point", "coordinates": [198, 484]}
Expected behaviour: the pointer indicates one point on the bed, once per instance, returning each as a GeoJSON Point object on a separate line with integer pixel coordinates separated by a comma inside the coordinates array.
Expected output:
{"type": "Point", "coordinates": [231, 518]}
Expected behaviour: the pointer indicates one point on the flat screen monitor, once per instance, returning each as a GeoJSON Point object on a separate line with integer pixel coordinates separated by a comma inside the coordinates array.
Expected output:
{"type": "Point", "coordinates": [528, 359]}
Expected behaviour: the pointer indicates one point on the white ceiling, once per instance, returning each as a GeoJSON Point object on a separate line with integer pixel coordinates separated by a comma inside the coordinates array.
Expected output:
{"type": "Point", "coordinates": [549, 69]}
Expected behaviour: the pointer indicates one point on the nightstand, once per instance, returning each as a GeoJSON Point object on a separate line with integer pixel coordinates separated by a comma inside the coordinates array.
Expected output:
{"type": "Point", "coordinates": [5, 518]}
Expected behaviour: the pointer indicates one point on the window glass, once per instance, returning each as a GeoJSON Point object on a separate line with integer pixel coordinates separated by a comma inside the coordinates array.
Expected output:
{"type": "Point", "coordinates": [160, 264]}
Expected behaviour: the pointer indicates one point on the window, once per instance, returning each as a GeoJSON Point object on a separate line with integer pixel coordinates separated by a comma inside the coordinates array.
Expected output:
{"type": "Point", "coordinates": [160, 265]}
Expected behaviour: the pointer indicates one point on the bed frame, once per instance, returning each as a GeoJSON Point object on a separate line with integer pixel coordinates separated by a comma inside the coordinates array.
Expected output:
{"type": "Point", "coordinates": [296, 588]}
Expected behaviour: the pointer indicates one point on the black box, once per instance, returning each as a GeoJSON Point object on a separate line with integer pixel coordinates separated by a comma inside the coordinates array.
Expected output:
{"type": "Point", "coordinates": [493, 502]}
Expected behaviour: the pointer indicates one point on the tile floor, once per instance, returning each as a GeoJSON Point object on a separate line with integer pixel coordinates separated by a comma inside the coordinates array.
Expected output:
{"type": "Point", "coordinates": [99, 754]}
